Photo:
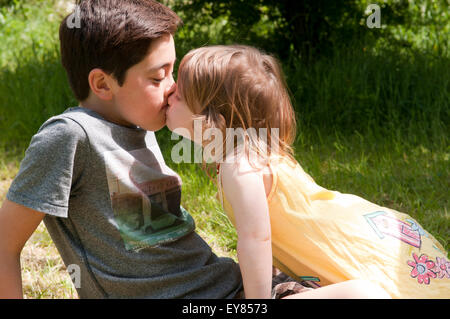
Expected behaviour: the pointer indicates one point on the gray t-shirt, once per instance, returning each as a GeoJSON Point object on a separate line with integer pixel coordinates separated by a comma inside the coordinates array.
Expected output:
{"type": "Point", "coordinates": [113, 210]}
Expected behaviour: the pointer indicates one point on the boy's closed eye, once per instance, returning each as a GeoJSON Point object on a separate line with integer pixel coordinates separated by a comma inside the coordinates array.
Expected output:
{"type": "Point", "coordinates": [160, 77]}
{"type": "Point", "coordinates": [157, 80]}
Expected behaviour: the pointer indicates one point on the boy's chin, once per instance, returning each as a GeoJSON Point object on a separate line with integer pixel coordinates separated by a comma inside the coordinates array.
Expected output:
{"type": "Point", "coordinates": [154, 127]}
{"type": "Point", "coordinates": [157, 128]}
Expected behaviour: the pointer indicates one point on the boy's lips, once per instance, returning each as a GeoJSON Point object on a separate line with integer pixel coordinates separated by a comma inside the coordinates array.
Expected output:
{"type": "Point", "coordinates": [165, 108]}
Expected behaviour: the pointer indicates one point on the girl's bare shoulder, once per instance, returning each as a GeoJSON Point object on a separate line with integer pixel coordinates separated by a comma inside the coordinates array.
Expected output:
{"type": "Point", "coordinates": [238, 170]}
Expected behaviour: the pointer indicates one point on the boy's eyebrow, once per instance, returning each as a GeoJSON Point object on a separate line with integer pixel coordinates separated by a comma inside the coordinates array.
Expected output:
{"type": "Point", "coordinates": [162, 66]}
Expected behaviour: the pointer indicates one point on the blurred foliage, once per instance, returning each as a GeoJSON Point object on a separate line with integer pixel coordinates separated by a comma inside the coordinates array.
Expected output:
{"type": "Point", "coordinates": [342, 75]}
{"type": "Point", "coordinates": [307, 28]}
{"type": "Point", "coordinates": [19, 3]}
{"type": "Point", "coordinates": [27, 29]}
{"type": "Point", "coordinates": [313, 28]}
{"type": "Point", "coordinates": [360, 79]}
{"type": "Point", "coordinates": [6, 2]}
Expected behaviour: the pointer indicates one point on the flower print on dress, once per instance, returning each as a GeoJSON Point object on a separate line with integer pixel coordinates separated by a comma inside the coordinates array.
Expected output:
{"type": "Point", "coordinates": [442, 267]}
{"type": "Point", "coordinates": [422, 268]}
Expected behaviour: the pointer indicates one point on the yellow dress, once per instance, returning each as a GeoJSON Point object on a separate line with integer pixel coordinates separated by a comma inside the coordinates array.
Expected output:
{"type": "Point", "coordinates": [324, 237]}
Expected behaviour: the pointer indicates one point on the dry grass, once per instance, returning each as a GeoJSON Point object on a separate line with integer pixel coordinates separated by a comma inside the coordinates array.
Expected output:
{"type": "Point", "coordinates": [44, 274]}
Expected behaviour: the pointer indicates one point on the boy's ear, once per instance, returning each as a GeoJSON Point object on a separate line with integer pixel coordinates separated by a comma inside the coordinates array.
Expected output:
{"type": "Point", "coordinates": [100, 84]}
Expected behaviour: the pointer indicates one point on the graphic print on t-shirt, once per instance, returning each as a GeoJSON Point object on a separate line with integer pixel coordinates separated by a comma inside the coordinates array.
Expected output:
{"type": "Point", "coordinates": [145, 198]}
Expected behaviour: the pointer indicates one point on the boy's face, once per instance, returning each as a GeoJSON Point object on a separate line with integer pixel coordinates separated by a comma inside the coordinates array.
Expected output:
{"type": "Point", "coordinates": [143, 97]}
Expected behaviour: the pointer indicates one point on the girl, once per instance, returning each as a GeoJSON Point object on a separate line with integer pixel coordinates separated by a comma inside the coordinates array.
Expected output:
{"type": "Point", "coordinates": [280, 213]}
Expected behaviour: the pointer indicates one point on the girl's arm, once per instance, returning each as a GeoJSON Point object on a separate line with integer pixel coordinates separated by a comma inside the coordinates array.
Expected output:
{"type": "Point", "coordinates": [244, 189]}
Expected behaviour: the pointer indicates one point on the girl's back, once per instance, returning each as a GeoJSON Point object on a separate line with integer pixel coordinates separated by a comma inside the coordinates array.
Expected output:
{"type": "Point", "coordinates": [324, 237]}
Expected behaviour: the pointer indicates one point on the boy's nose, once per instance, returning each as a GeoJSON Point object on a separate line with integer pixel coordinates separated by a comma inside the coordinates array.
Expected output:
{"type": "Point", "coordinates": [171, 93]}
{"type": "Point", "coordinates": [169, 99]}
{"type": "Point", "coordinates": [171, 88]}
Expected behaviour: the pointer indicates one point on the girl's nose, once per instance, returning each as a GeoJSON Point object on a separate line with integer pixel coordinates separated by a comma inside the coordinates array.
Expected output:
{"type": "Point", "coordinates": [171, 95]}
{"type": "Point", "coordinates": [171, 91]}
{"type": "Point", "coordinates": [171, 87]}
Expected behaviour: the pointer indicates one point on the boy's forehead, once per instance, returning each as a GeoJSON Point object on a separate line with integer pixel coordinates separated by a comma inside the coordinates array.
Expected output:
{"type": "Point", "coordinates": [161, 54]}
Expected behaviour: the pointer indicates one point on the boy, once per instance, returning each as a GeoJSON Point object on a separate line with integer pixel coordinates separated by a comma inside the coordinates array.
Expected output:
{"type": "Point", "coordinates": [95, 173]}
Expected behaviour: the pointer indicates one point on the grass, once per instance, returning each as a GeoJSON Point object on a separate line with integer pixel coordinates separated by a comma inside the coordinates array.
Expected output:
{"type": "Point", "coordinates": [372, 122]}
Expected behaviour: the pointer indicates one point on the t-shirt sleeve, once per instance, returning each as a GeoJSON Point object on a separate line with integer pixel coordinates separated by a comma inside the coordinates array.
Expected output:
{"type": "Point", "coordinates": [52, 167]}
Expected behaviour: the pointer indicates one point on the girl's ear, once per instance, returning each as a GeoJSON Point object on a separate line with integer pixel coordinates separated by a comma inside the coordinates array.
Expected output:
{"type": "Point", "coordinates": [101, 84]}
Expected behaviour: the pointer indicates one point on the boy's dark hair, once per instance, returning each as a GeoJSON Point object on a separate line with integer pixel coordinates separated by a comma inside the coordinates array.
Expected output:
{"type": "Point", "coordinates": [112, 35]}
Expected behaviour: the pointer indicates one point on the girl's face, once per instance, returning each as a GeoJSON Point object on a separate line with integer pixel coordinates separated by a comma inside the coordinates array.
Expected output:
{"type": "Point", "coordinates": [179, 118]}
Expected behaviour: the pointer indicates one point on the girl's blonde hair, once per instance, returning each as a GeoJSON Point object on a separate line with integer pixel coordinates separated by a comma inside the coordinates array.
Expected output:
{"type": "Point", "coordinates": [238, 86]}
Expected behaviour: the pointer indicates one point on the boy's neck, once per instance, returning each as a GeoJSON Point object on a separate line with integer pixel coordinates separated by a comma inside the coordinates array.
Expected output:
{"type": "Point", "coordinates": [103, 108]}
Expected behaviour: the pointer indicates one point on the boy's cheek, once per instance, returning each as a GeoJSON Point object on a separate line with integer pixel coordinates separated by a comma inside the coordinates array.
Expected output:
{"type": "Point", "coordinates": [156, 97]}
